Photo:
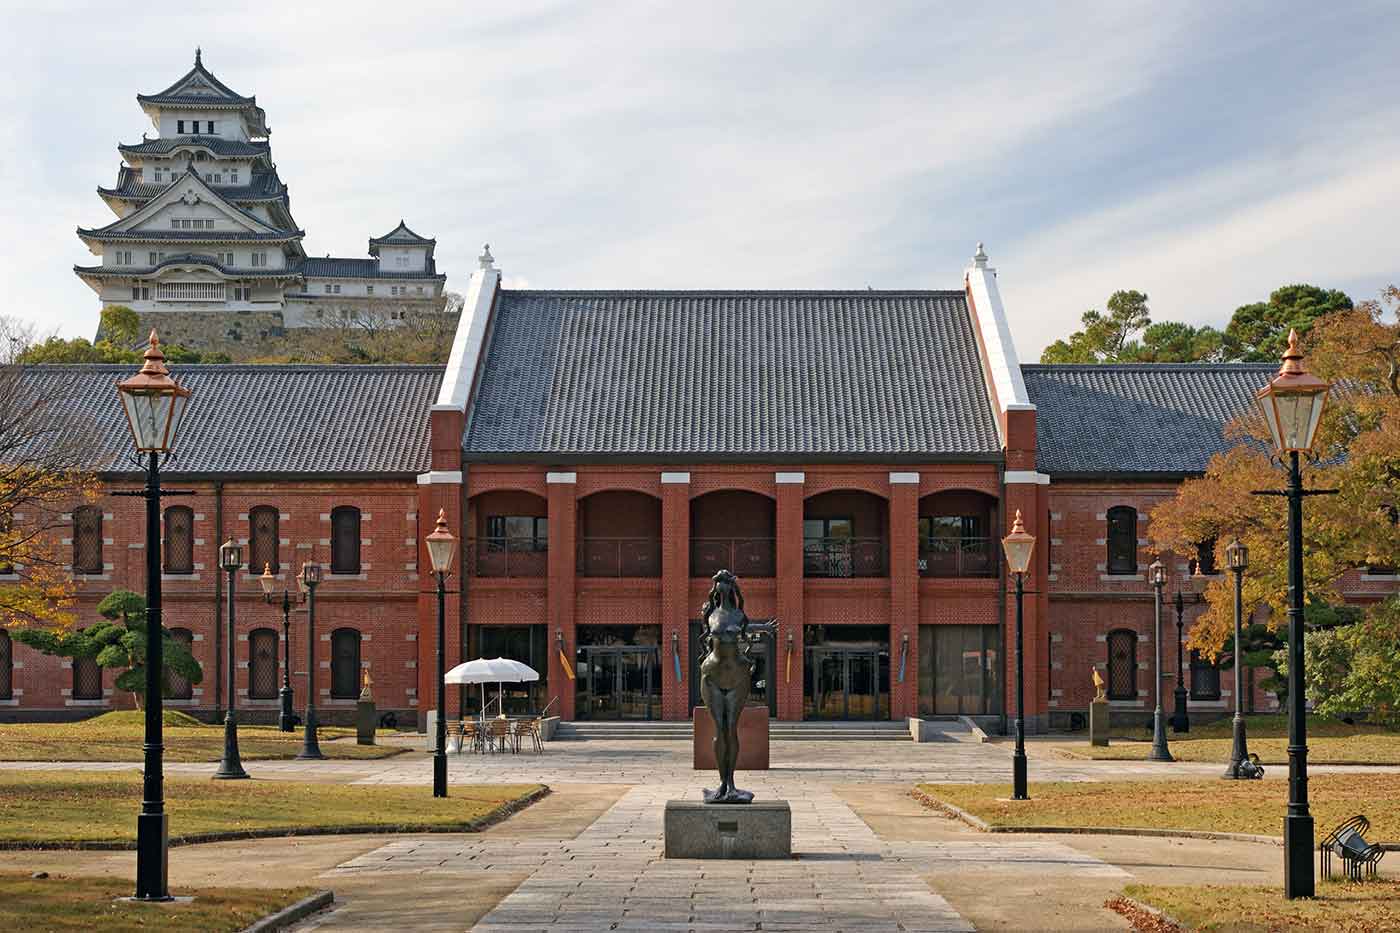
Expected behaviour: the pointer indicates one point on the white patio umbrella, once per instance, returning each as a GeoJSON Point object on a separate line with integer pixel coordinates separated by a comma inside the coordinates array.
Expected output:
{"type": "Point", "coordinates": [485, 671]}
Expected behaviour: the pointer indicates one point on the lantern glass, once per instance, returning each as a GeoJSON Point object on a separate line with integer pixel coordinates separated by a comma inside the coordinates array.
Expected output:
{"type": "Point", "coordinates": [440, 550]}
{"type": "Point", "coordinates": [230, 556]}
{"type": "Point", "coordinates": [310, 575]}
{"type": "Point", "coordinates": [266, 580]}
{"type": "Point", "coordinates": [1293, 418]}
{"type": "Point", "coordinates": [1018, 549]}
{"type": "Point", "coordinates": [1157, 573]}
{"type": "Point", "coordinates": [1237, 555]}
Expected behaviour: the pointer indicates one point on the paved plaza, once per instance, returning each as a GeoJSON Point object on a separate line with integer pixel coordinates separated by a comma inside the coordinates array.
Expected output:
{"type": "Point", "coordinates": [867, 856]}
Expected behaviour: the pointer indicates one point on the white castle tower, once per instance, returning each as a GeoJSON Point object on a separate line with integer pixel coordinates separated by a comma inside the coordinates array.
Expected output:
{"type": "Point", "coordinates": [204, 224]}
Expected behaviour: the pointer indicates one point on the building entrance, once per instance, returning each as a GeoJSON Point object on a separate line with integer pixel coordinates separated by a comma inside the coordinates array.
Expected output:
{"type": "Point", "coordinates": [847, 672]}
{"type": "Point", "coordinates": [762, 690]}
{"type": "Point", "coordinates": [618, 672]}
{"type": "Point", "coordinates": [959, 670]}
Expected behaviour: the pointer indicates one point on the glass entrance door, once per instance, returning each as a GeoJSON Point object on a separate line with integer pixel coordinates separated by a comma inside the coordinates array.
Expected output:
{"type": "Point", "coordinates": [763, 691]}
{"type": "Point", "coordinates": [846, 682]}
{"type": "Point", "coordinates": [617, 682]}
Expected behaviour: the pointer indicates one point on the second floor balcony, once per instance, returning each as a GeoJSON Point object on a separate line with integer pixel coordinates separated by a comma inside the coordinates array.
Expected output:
{"type": "Point", "coordinates": [619, 557]}
{"type": "Point", "coordinates": [507, 556]}
{"type": "Point", "coordinates": [837, 557]}
{"type": "Point", "coordinates": [957, 557]}
{"type": "Point", "coordinates": [747, 557]}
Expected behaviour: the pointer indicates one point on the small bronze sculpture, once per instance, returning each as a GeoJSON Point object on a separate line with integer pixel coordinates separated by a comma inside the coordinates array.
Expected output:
{"type": "Point", "coordinates": [725, 676]}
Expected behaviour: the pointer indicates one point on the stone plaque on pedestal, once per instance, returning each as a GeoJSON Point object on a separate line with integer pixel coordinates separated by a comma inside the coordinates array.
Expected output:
{"type": "Point", "coordinates": [762, 829]}
{"type": "Point", "coordinates": [1098, 722]}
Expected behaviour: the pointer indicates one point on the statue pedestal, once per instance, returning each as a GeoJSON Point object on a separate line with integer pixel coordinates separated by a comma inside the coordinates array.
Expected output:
{"type": "Point", "coordinates": [1098, 722]}
{"type": "Point", "coordinates": [753, 739]}
{"type": "Point", "coordinates": [762, 829]}
{"type": "Point", "coordinates": [366, 720]}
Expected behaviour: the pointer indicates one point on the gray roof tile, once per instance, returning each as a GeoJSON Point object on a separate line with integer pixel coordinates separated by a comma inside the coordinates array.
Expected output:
{"type": "Point", "coordinates": [336, 267]}
{"type": "Point", "coordinates": [822, 374]}
{"type": "Point", "coordinates": [216, 144]}
{"type": "Point", "coordinates": [244, 419]}
{"type": "Point", "coordinates": [1146, 418]}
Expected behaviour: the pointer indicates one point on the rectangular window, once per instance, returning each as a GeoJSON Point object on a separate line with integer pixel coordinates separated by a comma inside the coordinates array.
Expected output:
{"type": "Point", "coordinates": [369, 289]}
{"type": "Point", "coordinates": [174, 223]}
{"type": "Point", "coordinates": [87, 539]}
{"type": "Point", "coordinates": [211, 127]}
{"type": "Point", "coordinates": [259, 259]}
{"type": "Point", "coordinates": [179, 126]}
{"type": "Point", "coordinates": [151, 258]}
{"type": "Point", "coordinates": [179, 539]}
{"type": "Point", "coordinates": [337, 289]}
{"type": "Point", "coordinates": [233, 176]}
{"type": "Point", "coordinates": [87, 679]}
{"type": "Point", "coordinates": [327, 288]}
{"type": "Point", "coordinates": [135, 293]}
{"type": "Point", "coordinates": [1122, 539]}
{"type": "Point", "coordinates": [420, 289]}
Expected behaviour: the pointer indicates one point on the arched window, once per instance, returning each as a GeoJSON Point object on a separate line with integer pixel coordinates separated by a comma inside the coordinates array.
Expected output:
{"type": "Point", "coordinates": [262, 664]}
{"type": "Point", "coordinates": [179, 539]}
{"type": "Point", "coordinates": [345, 664]}
{"type": "Point", "coordinates": [1122, 539]}
{"type": "Point", "coordinates": [7, 666]}
{"type": "Point", "coordinates": [1205, 679]}
{"type": "Point", "coordinates": [262, 539]}
{"type": "Point", "coordinates": [87, 539]}
{"type": "Point", "coordinates": [1122, 665]}
{"type": "Point", "coordinates": [180, 688]}
{"type": "Point", "coordinates": [87, 679]}
{"type": "Point", "coordinates": [345, 539]}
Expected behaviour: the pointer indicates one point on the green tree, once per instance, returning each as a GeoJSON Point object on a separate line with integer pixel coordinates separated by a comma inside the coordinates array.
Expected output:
{"type": "Point", "coordinates": [1103, 337]}
{"type": "Point", "coordinates": [120, 325]}
{"type": "Point", "coordinates": [1175, 342]}
{"type": "Point", "coordinates": [118, 641]}
{"type": "Point", "coordinates": [1258, 332]}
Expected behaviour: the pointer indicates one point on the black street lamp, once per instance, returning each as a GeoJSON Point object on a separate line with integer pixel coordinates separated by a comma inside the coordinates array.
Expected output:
{"type": "Point", "coordinates": [1292, 404]}
{"type": "Point", "coordinates": [310, 579]}
{"type": "Point", "coordinates": [441, 545]}
{"type": "Point", "coordinates": [1158, 574]}
{"type": "Point", "coordinates": [1237, 556]}
{"type": "Point", "coordinates": [1180, 721]}
{"type": "Point", "coordinates": [1018, 546]}
{"type": "Point", "coordinates": [230, 766]}
{"type": "Point", "coordinates": [268, 582]}
{"type": "Point", "coordinates": [155, 406]}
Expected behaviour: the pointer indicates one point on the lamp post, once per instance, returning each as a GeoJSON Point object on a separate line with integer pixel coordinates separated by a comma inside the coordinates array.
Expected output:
{"type": "Point", "coordinates": [1292, 405]}
{"type": "Point", "coordinates": [231, 766]}
{"type": "Point", "coordinates": [154, 405]}
{"type": "Point", "coordinates": [441, 545]}
{"type": "Point", "coordinates": [1237, 556]}
{"type": "Point", "coordinates": [310, 579]}
{"type": "Point", "coordinates": [1180, 720]}
{"type": "Point", "coordinates": [1158, 574]}
{"type": "Point", "coordinates": [268, 582]}
{"type": "Point", "coordinates": [1018, 546]}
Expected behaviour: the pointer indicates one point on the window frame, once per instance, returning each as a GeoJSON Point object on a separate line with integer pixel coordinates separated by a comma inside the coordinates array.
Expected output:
{"type": "Point", "coordinates": [256, 636]}
{"type": "Point", "coordinates": [94, 565]}
{"type": "Point", "coordinates": [1131, 637]}
{"type": "Point", "coordinates": [82, 664]}
{"type": "Point", "coordinates": [1199, 666]}
{"type": "Point", "coordinates": [338, 563]}
{"type": "Point", "coordinates": [7, 666]}
{"type": "Point", "coordinates": [337, 636]}
{"type": "Point", "coordinates": [186, 637]}
{"type": "Point", "coordinates": [498, 530]}
{"type": "Point", "coordinates": [1125, 563]}
{"type": "Point", "coordinates": [257, 549]}
{"type": "Point", "coordinates": [168, 540]}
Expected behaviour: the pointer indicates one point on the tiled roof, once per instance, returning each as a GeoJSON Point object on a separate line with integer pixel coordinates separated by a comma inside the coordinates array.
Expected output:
{"type": "Point", "coordinates": [400, 234]}
{"type": "Point", "coordinates": [185, 259]}
{"type": "Point", "coordinates": [215, 144]}
{"type": "Point", "coordinates": [246, 419]}
{"type": "Point", "coordinates": [264, 186]}
{"type": "Point", "coordinates": [1145, 418]}
{"type": "Point", "coordinates": [822, 375]}
{"type": "Point", "coordinates": [193, 236]}
{"type": "Point", "coordinates": [222, 93]}
{"type": "Point", "coordinates": [331, 267]}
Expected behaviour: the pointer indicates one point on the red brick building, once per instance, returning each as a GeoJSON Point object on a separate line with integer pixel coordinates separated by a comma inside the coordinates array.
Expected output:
{"type": "Point", "coordinates": [855, 456]}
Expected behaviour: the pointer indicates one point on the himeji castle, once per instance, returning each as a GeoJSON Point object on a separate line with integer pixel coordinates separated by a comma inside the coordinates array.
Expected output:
{"type": "Point", "coordinates": [204, 224]}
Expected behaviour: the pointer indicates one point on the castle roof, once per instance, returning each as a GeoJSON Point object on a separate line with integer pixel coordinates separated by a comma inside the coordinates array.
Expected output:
{"type": "Point", "coordinates": [199, 89]}
{"type": "Point", "coordinates": [185, 259]}
{"type": "Point", "coordinates": [400, 236]}
{"type": "Point", "coordinates": [336, 267]}
{"type": "Point", "coordinates": [1140, 419]}
{"type": "Point", "coordinates": [215, 144]}
{"type": "Point", "coordinates": [262, 186]}
{"type": "Point", "coordinates": [254, 420]}
{"type": "Point", "coordinates": [764, 375]}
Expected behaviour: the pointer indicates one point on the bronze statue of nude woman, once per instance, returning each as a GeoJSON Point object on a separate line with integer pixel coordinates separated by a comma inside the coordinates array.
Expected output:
{"type": "Point", "coordinates": [725, 676]}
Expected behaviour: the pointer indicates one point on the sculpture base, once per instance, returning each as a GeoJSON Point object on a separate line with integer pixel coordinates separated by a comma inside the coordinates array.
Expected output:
{"type": "Point", "coordinates": [735, 796]}
{"type": "Point", "coordinates": [728, 831]}
{"type": "Point", "coordinates": [1098, 722]}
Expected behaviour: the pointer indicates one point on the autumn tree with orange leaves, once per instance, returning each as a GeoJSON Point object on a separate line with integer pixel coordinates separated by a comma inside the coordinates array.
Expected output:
{"type": "Point", "coordinates": [1358, 454]}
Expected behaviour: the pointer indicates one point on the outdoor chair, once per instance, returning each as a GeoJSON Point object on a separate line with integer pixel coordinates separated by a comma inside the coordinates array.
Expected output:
{"type": "Point", "coordinates": [1347, 843]}
{"type": "Point", "coordinates": [499, 734]}
{"type": "Point", "coordinates": [471, 736]}
{"type": "Point", "coordinates": [528, 728]}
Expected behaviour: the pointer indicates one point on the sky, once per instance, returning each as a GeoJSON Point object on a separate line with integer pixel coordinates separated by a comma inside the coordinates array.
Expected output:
{"type": "Point", "coordinates": [1203, 153]}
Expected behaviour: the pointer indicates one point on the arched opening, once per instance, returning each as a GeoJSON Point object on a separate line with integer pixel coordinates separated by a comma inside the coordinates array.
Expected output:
{"type": "Point", "coordinates": [844, 535]}
{"type": "Point", "coordinates": [619, 535]}
{"type": "Point", "coordinates": [733, 529]}
{"type": "Point", "coordinates": [1122, 665]}
{"type": "Point", "coordinates": [510, 530]}
{"type": "Point", "coordinates": [345, 664]}
{"type": "Point", "coordinates": [955, 534]}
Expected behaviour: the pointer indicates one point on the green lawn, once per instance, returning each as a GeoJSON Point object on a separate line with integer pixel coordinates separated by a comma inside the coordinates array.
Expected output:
{"type": "Point", "coordinates": [1339, 905]}
{"type": "Point", "coordinates": [66, 903]}
{"type": "Point", "coordinates": [117, 736]}
{"type": "Point", "coordinates": [1214, 805]}
{"type": "Point", "coordinates": [1330, 741]}
{"type": "Point", "coordinates": [68, 807]}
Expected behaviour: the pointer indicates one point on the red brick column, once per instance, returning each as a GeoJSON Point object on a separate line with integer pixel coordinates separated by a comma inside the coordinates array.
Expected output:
{"type": "Point", "coordinates": [790, 594]}
{"type": "Point", "coordinates": [904, 593]}
{"type": "Point", "coordinates": [437, 491]}
{"type": "Point", "coordinates": [675, 586]}
{"type": "Point", "coordinates": [560, 602]}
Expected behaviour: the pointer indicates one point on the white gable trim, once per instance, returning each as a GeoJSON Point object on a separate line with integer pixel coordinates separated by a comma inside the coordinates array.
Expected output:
{"type": "Point", "coordinates": [189, 185]}
{"type": "Point", "coordinates": [1003, 364]}
{"type": "Point", "coordinates": [470, 339]}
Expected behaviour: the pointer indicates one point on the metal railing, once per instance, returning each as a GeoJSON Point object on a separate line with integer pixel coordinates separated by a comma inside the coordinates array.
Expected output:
{"type": "Point", "coordinates": [747, 557]}
{"type": "Point", "coordinates": [845, 557]}
{"type": "Point", "coordinates": [508, 557]}
{"type": "Point", "coordinates": [619, 557]}
{"type": "Point", "coordinates": [957, 557]}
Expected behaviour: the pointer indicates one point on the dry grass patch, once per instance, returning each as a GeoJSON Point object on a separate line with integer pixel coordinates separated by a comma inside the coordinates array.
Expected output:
{"type": "Point", "coordinates": [64, 903]}
{"type": "Point", "coordinates": [1330, 741]}
{"type": "Point", "coordinates": [1340, 906]}
{"type": "Point", "coordinates": [117, 736]}
{"type": "Point", "coordinates": [1211, 805]}
{"type": "Point", "coordinates": [69, 808]}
